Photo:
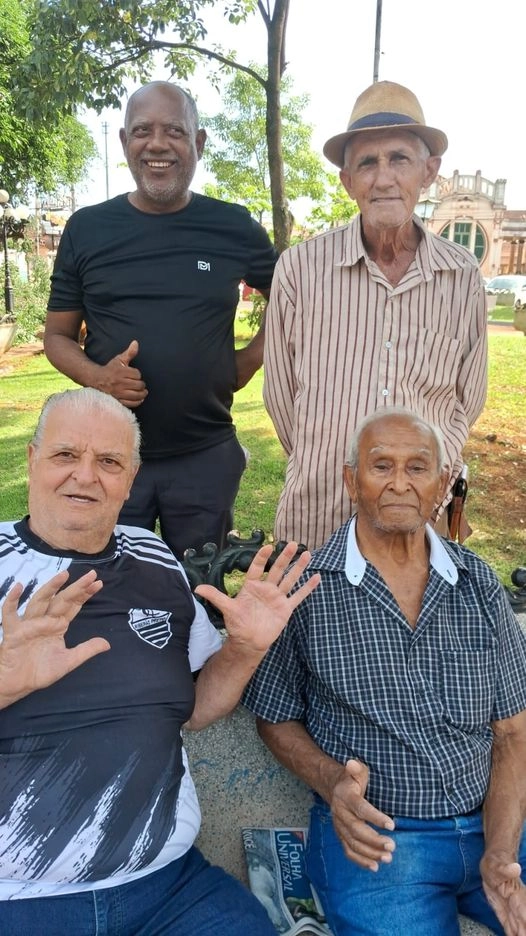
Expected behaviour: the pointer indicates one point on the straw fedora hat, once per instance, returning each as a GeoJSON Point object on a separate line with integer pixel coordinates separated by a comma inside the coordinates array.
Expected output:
{"type": "Point", "coordinates": [386, 106]}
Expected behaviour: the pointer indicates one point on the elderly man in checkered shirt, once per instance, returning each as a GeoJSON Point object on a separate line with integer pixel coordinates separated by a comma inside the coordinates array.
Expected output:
{"type": "Point", "coordinates": [398, 694]}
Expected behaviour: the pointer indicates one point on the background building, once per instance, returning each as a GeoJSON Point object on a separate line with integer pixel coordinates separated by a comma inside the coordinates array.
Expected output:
{"type": "Point", "coordinates": [471, 211]}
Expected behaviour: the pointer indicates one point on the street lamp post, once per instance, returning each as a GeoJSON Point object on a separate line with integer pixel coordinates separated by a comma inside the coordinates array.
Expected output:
{"type": "Point", "coordinates": [12, 222]}
{"type": "Point", "coordinates": [425, 208]}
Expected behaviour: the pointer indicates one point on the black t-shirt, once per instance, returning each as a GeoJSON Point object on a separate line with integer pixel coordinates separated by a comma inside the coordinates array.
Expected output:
{"type": "Point", "coordinates": [172, 282]}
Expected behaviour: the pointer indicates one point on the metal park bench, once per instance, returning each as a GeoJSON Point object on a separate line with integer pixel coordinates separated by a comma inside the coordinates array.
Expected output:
{"type": "Point", "coordinates": [209, 566]}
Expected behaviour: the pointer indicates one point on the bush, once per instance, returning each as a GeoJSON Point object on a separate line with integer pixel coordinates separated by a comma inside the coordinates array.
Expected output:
{"type": "Point", "coordinates": [254, 315]}
{"type": "Point", "coordinates": [31, 300]}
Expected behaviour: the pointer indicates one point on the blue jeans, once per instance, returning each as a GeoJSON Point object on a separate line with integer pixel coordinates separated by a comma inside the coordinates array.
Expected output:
{"type": "Point", "coordinates": [434, 876]}
{"type": "Point", "coordinates": [188, 896]}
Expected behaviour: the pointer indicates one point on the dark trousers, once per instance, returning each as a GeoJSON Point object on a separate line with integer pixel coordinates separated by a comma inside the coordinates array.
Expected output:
{"type": "Point", "coordinates": [191, 495]}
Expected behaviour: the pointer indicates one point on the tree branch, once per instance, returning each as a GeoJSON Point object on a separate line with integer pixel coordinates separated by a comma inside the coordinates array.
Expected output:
{"type": "Point", "coordinates": [265, 13]}
{"type": "Point", "coordinates": [209, 53]}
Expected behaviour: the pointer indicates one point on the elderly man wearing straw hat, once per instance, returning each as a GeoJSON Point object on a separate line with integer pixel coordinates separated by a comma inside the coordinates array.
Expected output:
{"type": "Point", "coordinates": [376, 313]}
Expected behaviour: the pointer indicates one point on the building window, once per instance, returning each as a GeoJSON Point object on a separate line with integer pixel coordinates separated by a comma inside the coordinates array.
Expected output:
{"type": "Point", "coordinates": [468, 234]}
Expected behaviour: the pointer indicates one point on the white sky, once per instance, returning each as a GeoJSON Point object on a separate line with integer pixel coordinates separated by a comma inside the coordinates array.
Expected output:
{"type": "Point", "coordinates": [464, 59]}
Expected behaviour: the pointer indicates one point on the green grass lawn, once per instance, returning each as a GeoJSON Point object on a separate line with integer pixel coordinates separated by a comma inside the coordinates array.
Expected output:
{"type": "Point", "coordinates": [501, 314]}
{"type": "Point", "coordinates": [22, 392]}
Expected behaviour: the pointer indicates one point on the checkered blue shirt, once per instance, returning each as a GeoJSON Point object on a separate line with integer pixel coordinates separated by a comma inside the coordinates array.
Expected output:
{"type": "Point", "coordinates": [414, 705]}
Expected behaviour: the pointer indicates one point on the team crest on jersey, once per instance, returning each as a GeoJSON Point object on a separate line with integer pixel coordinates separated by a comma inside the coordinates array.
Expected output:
{"type": "Point", "coordinates": [151, 626]}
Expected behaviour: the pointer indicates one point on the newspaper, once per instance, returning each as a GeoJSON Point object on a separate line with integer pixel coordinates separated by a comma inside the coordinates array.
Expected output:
{"type": "Point", "coordinates": [277, 877]}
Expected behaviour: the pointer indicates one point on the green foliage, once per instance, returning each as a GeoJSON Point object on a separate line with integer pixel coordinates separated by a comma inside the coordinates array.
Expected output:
{"type": "Point", "coordinates": [33, 153]}
{"type": "Point", "coordinates": [84, 53]}
{"type": "Point", "coordinates": [337, 208]}
{"type": "Point", "coordinates": [31, 297]}
{"type": "Point", "coordinates": [253, 316]}
{"type": "Point", "coordinates": [236, 151]}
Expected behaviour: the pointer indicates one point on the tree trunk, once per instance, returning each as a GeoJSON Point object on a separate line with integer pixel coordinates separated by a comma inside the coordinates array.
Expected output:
{"type": "Point", "coordinates": [281, 216]}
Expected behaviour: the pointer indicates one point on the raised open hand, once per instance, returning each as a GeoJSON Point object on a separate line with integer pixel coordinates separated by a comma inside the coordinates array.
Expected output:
{"type": "Point", "coordinates": [33, 653]}
{"type": "Point", "coordinates": [261, 609]}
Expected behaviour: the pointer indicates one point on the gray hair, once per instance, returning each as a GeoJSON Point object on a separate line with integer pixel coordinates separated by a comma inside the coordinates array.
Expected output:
{"type": "Point", "coordinates": [91, 400]}
{"type": "Point", "coordinates": [189, 101]}
{"type": "Point", "coordinates": [377, 415]}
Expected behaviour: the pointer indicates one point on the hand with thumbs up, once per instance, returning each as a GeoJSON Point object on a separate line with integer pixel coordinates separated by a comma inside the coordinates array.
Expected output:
{"type": "Point", "coordinates": [117, 377]}
{"type": "Point", "coordinates": [121, 380]}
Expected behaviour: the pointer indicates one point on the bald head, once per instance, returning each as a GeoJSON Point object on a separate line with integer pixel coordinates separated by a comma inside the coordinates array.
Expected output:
{"type": "Point", "coordinates": [170, 91]}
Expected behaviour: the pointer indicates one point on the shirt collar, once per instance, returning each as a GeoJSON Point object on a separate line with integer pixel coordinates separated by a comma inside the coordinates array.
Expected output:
{"type": "Point", "coordinates": [439, 558]}
{"type": "Point", "coordinates": [31, 539]}
{"type": "Point", "coordinates": [427, 259]}
{"type": "Point", "coordinates": [353, 248]}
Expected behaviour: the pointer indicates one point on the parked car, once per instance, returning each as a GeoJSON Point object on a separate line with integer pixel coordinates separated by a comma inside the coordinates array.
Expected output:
{"type": "Point", "coordinates": [510, 288]}
{"type": "Point", "coordinates": [520, 298]}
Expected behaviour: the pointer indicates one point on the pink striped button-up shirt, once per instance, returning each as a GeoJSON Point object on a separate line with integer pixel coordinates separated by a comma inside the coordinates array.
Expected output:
{"type": "Point", "coordinates": [342, 341]}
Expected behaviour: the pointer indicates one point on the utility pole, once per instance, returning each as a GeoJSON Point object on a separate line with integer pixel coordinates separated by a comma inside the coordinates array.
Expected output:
{"type": "Point", "coordinates": [377, 36]}
{"type": "Point", "coordinates": [105, 129]}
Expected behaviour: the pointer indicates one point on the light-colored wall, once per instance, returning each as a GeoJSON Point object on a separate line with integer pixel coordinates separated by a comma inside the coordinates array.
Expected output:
{"type": "Point", "coordinates": [478, 200]}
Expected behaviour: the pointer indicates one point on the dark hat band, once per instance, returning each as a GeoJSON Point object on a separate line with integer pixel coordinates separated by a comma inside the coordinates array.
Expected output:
{"type": "Point", "coordinates": [381, 120]}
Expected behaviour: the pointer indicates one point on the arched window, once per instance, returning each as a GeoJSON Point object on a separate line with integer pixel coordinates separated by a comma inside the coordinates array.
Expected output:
{"type": "Point", "coordinates": [468, 234]}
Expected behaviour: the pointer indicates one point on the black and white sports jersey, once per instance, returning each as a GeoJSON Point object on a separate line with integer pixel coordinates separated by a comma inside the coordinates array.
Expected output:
{"type": "Point", "coordinates": [95, 788]}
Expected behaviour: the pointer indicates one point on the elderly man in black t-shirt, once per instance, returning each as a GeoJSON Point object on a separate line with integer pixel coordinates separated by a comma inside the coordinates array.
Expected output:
{"type": "Point", "coordinates": [155, 276]}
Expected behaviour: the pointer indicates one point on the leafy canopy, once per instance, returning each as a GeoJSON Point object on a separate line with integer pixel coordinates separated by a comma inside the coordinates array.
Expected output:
{"type": "Point", "coordinates": [236, 151]}
{"type": "Point", "coordinates": [33, 153]}
{"type": "Point", "coordinates": [86, 52]}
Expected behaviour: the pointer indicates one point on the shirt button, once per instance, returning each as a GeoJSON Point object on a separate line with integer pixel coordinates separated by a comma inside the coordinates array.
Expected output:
{"type": "Point", "coordinates": [388, 344]}
{"type": "Point", "coordinates": [385, 392]}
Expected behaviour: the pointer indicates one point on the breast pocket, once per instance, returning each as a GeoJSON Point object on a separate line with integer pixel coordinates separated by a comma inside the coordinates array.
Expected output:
{"type": "Point", "coordinates": [433, 361]}
{"type": "Point", "coordinates": [468, 686]}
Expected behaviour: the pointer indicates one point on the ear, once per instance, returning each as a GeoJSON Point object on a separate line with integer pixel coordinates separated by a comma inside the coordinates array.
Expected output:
{"type": "Point", "coordinates": [200, 140]}
{"type": "Point", "coordinates": [346, 181]}
{"type": "Point", "coordinates": [445, 479]}
{"type": "Point", "coordinates": [135, 470]}
{"type": "Point", "coordinates": [123, 138]}
{"type": "Point", "coordinates": [31, 457]}
{"type": "Point", "coordinates": [349, 481]}
{"type": "Point", "coordinates": [431, 171]}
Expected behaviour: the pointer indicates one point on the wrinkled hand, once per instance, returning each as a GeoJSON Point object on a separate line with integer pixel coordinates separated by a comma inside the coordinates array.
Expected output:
{"type": "Point", "coordinates": [505, 892]}
{"type": "Point", "coordinates": [33, 653]}
{"type": "Point", "coordinates": [122, 381]}
{"type": "Point", "coordinates": [261, 609]}
{"type": "Point", "coordinates": [353, 817]}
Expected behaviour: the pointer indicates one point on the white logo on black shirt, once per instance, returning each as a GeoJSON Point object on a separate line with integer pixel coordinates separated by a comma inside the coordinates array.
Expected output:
{"type": "Point", "coordinates": [151, 626]}
{"type": "Point", "coordinates": [203, 265]}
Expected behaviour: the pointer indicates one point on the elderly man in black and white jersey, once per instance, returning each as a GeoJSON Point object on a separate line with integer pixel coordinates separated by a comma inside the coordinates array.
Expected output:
{"type": "Point", "coordinates": [102, 639]}
{"type": "Point", "coordinates": [398, 694]}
